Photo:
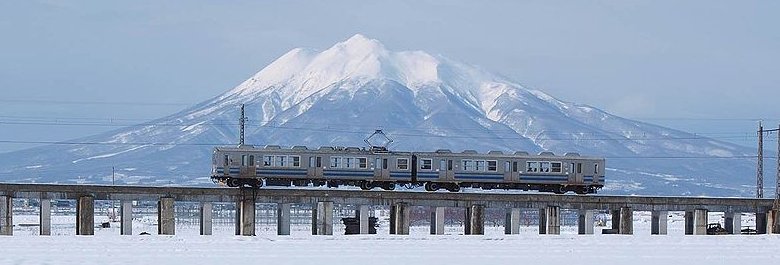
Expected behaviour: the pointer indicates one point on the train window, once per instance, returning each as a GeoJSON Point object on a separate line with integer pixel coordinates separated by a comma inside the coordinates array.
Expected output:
{"type": "Point", "coordinates": [311, 161]}
{"type": "Point", "coordinates": [251, 161]}
{"type": "Point", "coordinates": [514, 166]}
{"type": "Point", "coordinates": [544, 166]}
{"type": "Point", "coordinates": [533, 167]}
{"type": "Point", "coordinates": [596, 169]}
{"type": "Point", "coordinates": [349, 162]}
{"type": "Point", "coordinates": [479, 165]}
{"type": "Point", "coordinates": [384, 163]}
{"type": "Point", "coordinates": [468, 165]}
{"type": "Point", "coordinates": [335, 162]}
{"type": "Point", "coordinates": [449, 165]}
{"type": "Point", "coordinates": [295, 160]}
{"type": "Point", "coordinates": [403, 163]}
{"type": "Point", "coordinates": [243, 160]}
{"type": "Point", "coordinates": [362, 162]}
{"type": "Point", "coordinates": [319, 161]}
{"type": "Point", "coordinates": [280, 161]}
{"type": "Point", "coordinates": [579, 168]}
{"type": "Point", "coordinates": [227, 160]}
{"type": "Point", "coordinates": [267, 161]}
{"type": "Point", "coordinates": [506, 166]}
{"type": "Point", "coordinates": [426, 164]}
{"type": "Point", "coordinates": [556, 167]}
{"type": "Point", "coordinates": [492, 165]}
{"type": "Point", "coordinates": [377, 163]}
{"type": "Point", "coordinates": [442, 164]}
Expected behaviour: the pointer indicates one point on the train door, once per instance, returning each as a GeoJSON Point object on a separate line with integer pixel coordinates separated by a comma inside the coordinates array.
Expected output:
{"type": "Point", "coordinates": [247, 168]}
{"type": "Point", "coordinates": [446, 169]}
{"type": "Point", "coordinates": [442, 168]}
{"type": "Point", "coordinates": [414, 168]}
{"type": "Point", "coordinates": [315, 167]}
{"type": "Point", "coordinates": [510, 171]}
{"type": "Point", "coordinates": [575, 175]}
{"type": "Point", "coordinates": [381, 168]}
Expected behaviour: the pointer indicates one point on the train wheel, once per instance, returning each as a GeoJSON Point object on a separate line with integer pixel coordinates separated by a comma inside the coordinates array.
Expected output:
{"type": "Point", "coordinates": [389, 186]}
{"type": "Point", "coordinates": [453, 187]}
{"type": "Point", "coordinates": [366, 185]}
{"type": "Point", "coordinates": [233, 183]}
{"type": "Point", "coordinates": [257, 183]}
{"type": "Point", "coordinates": [433, 186]}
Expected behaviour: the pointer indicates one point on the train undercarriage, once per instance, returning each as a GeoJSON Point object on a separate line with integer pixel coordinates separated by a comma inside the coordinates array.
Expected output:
{"type": "Point", "coordinates": [391, 185]}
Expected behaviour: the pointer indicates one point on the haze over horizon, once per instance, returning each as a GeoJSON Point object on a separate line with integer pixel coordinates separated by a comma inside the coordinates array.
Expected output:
{"type": "Point", "coordinates": [703, 67]}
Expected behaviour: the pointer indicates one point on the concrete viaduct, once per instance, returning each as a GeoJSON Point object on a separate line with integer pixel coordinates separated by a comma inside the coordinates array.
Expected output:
{"type": "Point", "coordinates": [322, 201]}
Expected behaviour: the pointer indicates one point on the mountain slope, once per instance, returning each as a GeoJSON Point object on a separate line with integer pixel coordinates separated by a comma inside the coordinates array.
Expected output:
{"type": "Point", "coordinates": [426, 102]}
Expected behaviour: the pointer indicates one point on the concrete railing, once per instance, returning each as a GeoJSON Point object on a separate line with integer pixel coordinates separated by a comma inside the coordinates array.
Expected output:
{"type": "Point", "coordinates": [322, 201]}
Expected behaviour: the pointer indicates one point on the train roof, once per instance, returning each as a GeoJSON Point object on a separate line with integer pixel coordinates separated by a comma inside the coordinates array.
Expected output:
{"type": "Point", "coordinates": [328, 149]}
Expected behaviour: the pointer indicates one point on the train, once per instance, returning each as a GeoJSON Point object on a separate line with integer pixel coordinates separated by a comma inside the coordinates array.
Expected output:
{"type": "Point", "coordinates": [369, 168]}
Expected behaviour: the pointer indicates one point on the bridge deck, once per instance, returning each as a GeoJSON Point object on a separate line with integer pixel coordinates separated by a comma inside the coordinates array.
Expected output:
{"type": "Point", "coordinates": [358, 197]}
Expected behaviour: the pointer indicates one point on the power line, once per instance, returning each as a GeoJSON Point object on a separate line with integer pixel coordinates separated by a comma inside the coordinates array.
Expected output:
{"type": "Point", "coordinates": [83, 102]}
{"type": "Point", "coordinates": [544, 135]}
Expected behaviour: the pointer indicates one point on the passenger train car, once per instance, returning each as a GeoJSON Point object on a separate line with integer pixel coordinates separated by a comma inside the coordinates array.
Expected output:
{"type": "Point", "coordinates": [370, 168]}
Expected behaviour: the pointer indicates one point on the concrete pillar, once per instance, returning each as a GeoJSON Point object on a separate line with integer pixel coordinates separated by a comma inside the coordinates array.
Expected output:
{"type": "Point", "coordinates": [700, 222]}
{"type": "Point", "coordinates": [658, 222]}
{"type": "Point", "coordinates": [550, 220]}
{"type": "Point", "coordinates": [475, 220]}
{"type": "Point", "coordinates": [6, 216]}
{"type": "Point", "coordinates": [732, 222]}
{"type": "Point", "coordinates": [45, 217]}
{"type": "Point", "coordinates": [626, 221]}
{"type": "Point", "coordinates": [85, 216]}
{"type": "Point", "coordinates": [246, 216]}
{"type": "Point", "coordinates": [585, 222]}
{"type": "Point", "coordinates": [166, 217]}
{"type": "Point", "coordinates": [553, 220]}
{"type": "Point", "coordinates": [126, 217]}
{"type": "Point", "coordinates": [437, 221]}
{"type": "Point", "coordinates": [689, 222]}
{"type": "Point", "coordinates": [206, 220]}
{"type": "Point", "coordinates": [237, 218]}
{"type": "Point", "coordinates": [322, 219]}
{"type": "Point", "coordinates": [362, 214]}
{"type": "Point", "coordinates": [615, 219]}
{"type": "Point", "coordinates": [399, 219]}
{"type": "Point", "coordinates": [773, 222]}
{"type": "Point", "coordinates": [761, 222]}
{"type": "Point", "coordinates": [283, 219]}
{"type": "Point", "coordinates": [512, 222]}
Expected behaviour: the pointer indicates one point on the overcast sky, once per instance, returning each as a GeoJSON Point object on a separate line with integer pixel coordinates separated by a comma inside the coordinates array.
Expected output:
{"type": "Point", "coordinates": [709, 67]}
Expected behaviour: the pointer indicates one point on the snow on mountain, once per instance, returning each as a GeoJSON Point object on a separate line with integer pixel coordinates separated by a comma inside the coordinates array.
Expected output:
{"type": "Point", "coordinates": [426, 102]}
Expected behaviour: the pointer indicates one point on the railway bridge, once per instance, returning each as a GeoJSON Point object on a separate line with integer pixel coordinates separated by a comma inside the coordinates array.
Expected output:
{"type": "Point", "coordinates": [322, 201]}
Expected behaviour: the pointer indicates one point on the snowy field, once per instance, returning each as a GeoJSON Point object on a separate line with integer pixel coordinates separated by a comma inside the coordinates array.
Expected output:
{"type": "Point", "coordinates": [187, 247]}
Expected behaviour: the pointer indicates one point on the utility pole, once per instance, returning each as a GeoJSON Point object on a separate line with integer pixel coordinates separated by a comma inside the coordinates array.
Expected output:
{"type": "Point", "coordinates": [241, 123]}
{"type": "Point", "coordinates": [776, 205]}
{"type": "Point", "coordinates": [760, 171]}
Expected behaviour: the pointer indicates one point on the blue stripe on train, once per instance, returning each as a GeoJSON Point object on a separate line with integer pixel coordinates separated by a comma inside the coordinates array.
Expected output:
{"type": "Point", "coordinates": [496, 177]}
{"type": "Point", "coordinates": [408, 176]}
{"type": "Point", "coordinates": [348, 173]}
{"type": "Point", "coordinates": [289, 173]}
{"type": "Point", "coordinates": [280, 171]}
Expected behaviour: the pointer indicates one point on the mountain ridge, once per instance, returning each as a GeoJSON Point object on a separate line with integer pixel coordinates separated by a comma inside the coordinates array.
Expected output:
{"type": "Point", "coordinates": [340, 95]}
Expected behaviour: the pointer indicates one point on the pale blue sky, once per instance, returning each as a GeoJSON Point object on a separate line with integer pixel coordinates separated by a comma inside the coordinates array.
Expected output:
{"type": "Point", "coordinates": [709, 67]}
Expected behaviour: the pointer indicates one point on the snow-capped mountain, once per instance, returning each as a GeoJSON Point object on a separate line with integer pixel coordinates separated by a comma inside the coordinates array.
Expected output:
{"type": "Point", "coordinates": [425, 102]}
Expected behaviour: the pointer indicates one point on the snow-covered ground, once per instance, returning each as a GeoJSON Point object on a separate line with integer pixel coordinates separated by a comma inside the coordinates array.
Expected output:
{"type": "Point", "coordinates": [187, 247]}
